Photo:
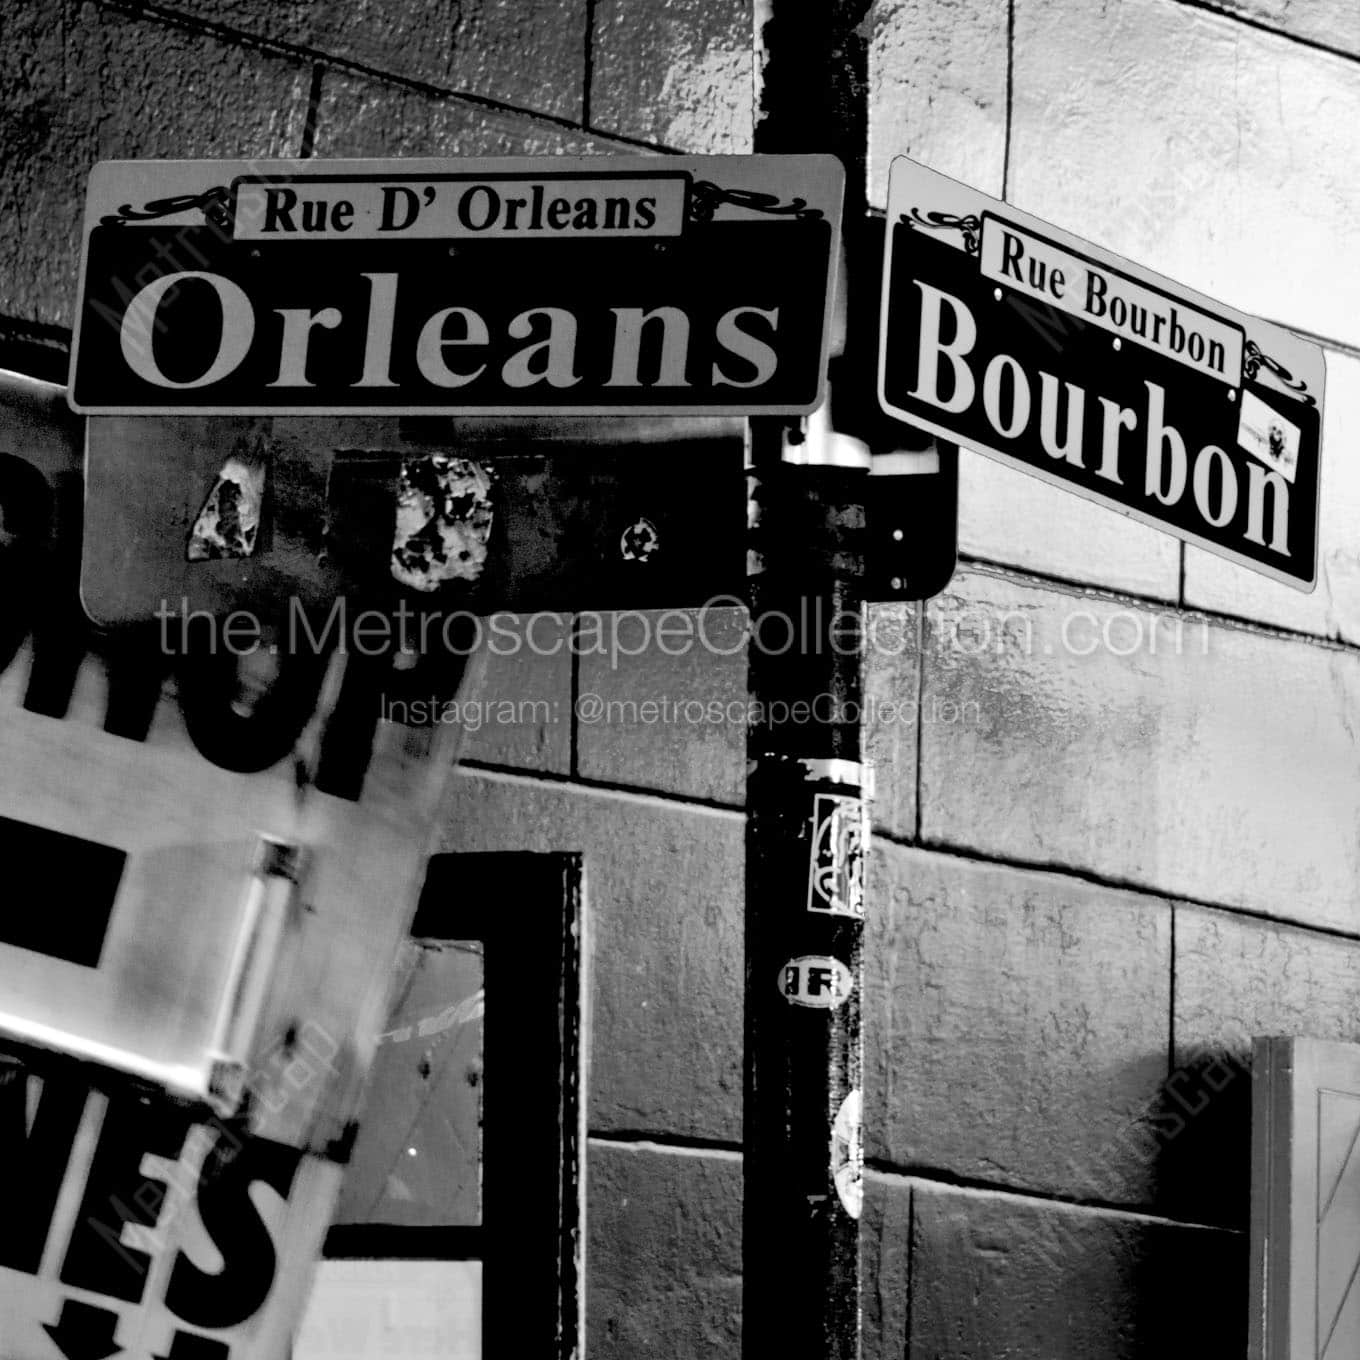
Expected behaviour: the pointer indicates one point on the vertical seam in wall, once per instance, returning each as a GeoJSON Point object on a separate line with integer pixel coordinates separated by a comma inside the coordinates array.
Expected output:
{"type": "Point", "coordinates": [1171, 1002]}
{"type": "Point", "coordinates": [911, 1264]}
{"type": "Point", "coordinates": [573, 754]}
{"type": "Point", "coordinates": [1010, 97]}
{"type": "Point", "coordinates": [589, 73]}
{"type": "Point", "coordinates": [920, 704]}
{"type": "Point", "coordinates": [1180, 585]}
{"type": "Point", "coordinates": [313, 106]}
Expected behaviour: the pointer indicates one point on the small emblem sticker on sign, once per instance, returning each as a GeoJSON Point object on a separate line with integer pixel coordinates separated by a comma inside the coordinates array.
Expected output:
{"type": "Point", "coordinates": [1267, 435]}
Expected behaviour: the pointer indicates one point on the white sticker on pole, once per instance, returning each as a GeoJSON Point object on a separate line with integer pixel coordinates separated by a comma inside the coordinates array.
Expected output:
{"type": "Point", "coordinates": [1266, 434]}
{"type": "Point", "coordinates": [847, 1154]}
{"type": "Point", "coordinates": [817, 981]}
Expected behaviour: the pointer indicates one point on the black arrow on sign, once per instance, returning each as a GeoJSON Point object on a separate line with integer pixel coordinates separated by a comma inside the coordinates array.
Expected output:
{"type": "Point", "coordinates": [84, 1332]}
{"type": "Point", "coordinates": [191, 1346]}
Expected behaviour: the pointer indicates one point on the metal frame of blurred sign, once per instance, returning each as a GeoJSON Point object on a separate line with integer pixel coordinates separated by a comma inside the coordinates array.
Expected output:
{"type": "Point", "coordinates": [1039, 349]}
{"type": "Point", "coordinates": [537, 285]}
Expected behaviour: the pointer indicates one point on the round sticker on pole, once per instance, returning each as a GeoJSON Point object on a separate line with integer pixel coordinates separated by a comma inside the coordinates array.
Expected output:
{"type": "Point", "coordinates": [816, 980]}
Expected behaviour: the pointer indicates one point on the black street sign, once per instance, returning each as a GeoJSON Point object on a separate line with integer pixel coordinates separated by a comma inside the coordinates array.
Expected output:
{"type": "Point", "coordinates": [581, 285]}
{"type": "Point", "coordinates": [1034, 347]}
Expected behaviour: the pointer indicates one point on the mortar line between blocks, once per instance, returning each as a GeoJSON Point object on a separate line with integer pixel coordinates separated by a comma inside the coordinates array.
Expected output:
{"type": "Point", "coordinates": [1023, 575]}
{"type": "Point", "coordinates": [598, 788]}
{"type": "Point", "coordinates": [300, 52]}
{"type": "Point", "coordinates": [674, 1145]}
{"type": "Point", "coordinates": [928, 1178]}
{"type": "Point", "coordinates": [948, 850]}
{"type": "Point", "coordinates": [1237, 17]}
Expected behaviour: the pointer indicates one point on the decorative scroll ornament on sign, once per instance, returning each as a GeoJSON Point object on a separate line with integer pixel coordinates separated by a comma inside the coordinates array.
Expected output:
{"type": "Point", "coordinates": [970, 226]}
{"type": "Point", "coordinates": [706, 197]}
{"type": "Point", "coordinates": [212, 201]}
{"type": "Point", "coordinates": [1256, 359]}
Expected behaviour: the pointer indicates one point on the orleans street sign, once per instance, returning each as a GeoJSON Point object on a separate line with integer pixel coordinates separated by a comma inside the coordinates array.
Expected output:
{"type": "Point", "coordinates": [549, 285]}
{"type": "Point", "coordinates": [1034, 347]}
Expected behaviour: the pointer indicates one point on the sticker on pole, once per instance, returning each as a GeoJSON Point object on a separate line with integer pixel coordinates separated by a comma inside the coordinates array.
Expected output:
{"type": "Point", "coordinates": [839, 840]}
{"type": "Point", "coordinates": [847, 1154]}
{"type": "Point", "coordinates": [816, 980]}
{"type": "Point", "coordinates": [539, 285]}
{"type": "Point", "coordinates": [1028, 344]}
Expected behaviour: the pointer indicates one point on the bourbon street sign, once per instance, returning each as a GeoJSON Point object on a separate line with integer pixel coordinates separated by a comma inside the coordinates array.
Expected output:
{"type": "Point", "coordinates": [549, 285]}
{"type": "Point", "coordinates": [1039, 349]}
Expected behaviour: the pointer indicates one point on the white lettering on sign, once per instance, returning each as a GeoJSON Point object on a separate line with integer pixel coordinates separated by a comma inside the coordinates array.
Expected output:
{"type": "Point", "coordinates": [1112, 300]}
{"type": "Point", "coordinates": [1092, 431]}
{"type": "Point", "coordinates": [237, 323]}
{"type": "Point", "coordinates": [195, 1240]}
{"type": "Point", "coordinates": [313, 208]}
{"type": "Point", "coordinates": [816, 980]}
{"type": "Point", "coordinates": [744, 333]}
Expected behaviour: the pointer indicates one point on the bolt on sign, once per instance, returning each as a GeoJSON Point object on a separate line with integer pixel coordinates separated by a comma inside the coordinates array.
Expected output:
{"type": "Point", "coordinates": [1039, 349]}
{"type": "Point", "coordinates": [497, 287]}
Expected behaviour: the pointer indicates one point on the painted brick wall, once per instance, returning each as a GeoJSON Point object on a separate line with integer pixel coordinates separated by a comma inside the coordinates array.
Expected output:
{"type": "Point", "coordinates": [1120, 840]}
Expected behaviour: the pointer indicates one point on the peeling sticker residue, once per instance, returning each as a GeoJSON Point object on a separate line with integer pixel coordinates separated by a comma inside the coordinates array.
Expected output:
{"type": "Point", "coordinates": [851, 772]}
{"type": "Point", "coordinates": [443, 521]}
{"type": "Point", "coordinates": [229, 521]}
{"type": "Point", "coordinates": [639, 541]}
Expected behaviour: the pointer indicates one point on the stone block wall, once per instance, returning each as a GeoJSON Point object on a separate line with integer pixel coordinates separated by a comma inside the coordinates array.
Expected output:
{"type": "Point", "coordinates": [1118, 807]}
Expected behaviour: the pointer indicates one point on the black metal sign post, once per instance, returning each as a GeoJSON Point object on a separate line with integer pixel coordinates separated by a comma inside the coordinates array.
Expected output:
{"type": "Point", "coordinates": [806, 810]}
{"type": "Point", "coordinates": [806, 829]}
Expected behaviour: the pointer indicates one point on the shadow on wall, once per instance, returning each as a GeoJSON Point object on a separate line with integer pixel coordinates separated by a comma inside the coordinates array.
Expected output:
{"type": "Point", "coordinates": [1194, 1290]}
{"type": "Point", "coordinates": [1202, 1122]}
